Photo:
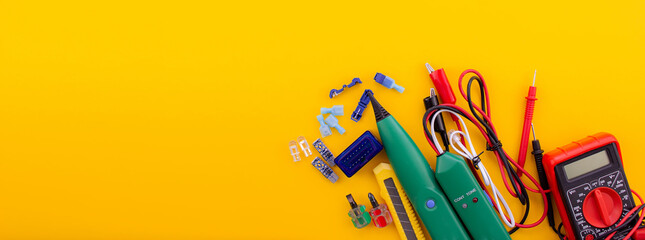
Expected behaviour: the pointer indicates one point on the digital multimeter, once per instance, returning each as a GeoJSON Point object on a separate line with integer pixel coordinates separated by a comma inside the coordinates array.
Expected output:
{"type": "Point", "coordinates": [589, 186]}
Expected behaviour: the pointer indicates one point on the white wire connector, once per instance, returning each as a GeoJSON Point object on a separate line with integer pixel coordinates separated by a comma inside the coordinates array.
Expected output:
{"type": "Point", "coordinates": [470, 154]}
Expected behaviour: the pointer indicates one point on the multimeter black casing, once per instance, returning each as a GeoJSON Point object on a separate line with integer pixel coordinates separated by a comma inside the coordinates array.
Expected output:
{"type": "Point", "coordinates": [589, 185]}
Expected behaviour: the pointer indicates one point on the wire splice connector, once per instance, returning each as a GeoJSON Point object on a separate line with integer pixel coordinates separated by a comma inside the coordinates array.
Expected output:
{"type": "Point", "coordinates": [362, 104]}
{"type": "Point", "coordinates": [333, 122]}
{"type": "Point", "coordinates": [388, 82]}
{"type": "Point", "coordinates": [336, 110]}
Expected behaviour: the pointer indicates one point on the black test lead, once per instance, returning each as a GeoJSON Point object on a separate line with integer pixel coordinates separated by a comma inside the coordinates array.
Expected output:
{"type": "Point", "coordinates": [439, 125]}
{"type": "Point", "coordinates": [537, 155]}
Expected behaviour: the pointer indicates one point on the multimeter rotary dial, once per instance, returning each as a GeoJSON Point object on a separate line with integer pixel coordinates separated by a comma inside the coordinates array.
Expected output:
{"type": "Point", "coordinates": [602, 207]}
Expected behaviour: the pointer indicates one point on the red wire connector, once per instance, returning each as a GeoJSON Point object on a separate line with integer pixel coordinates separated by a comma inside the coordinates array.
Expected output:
{"type": "Point", "coordinates": [528, 118]}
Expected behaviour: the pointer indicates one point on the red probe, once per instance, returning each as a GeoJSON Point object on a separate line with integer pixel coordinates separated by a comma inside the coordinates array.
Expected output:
{"type": "Point", "coordinates": [444, 90]}
{"type": "Point", "coordinates": [528, 118]}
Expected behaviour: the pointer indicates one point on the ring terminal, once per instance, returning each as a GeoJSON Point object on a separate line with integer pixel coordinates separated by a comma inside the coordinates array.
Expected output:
{"type": "Point", "coordinates": [336, 110]}
{"type": "Point", "coordinates": [304, 145]}
{"type": "Point", "coordinates": [324, 129]}
{"type": "Point", "coordinates": [333, 122]}
{"type": "Point", "coordinates": [293, 148]}
{"type": "Point", "coordinates": [360, 218]}
{"type": "Point", "coordinates": [379, 213]}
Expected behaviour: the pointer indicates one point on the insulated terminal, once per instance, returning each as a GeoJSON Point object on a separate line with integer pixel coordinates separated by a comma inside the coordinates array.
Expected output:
{"type": "Point", "coordinates": [324, 129]}
{"type": "Point", "coordinates": [336, 110]}
{"type": "Point", "coordinates": [333, 122]}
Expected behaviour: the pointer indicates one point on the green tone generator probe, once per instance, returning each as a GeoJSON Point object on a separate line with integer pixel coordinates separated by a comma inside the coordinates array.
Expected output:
{"type": "Point", "coordinates": [468, 199]}
{"type": "Point", "coordinates": [417, 178]}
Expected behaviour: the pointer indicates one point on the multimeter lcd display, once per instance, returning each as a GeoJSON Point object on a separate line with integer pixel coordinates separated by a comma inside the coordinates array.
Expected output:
{"type": "Point", "coordinates": [585, 165]}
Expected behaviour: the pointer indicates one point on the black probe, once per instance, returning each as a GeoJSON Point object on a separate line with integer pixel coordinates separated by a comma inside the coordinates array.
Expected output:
{"type": "Point", "coordinates": [439, 125]}
{"type": "Point", "coordinates": [537, 154]}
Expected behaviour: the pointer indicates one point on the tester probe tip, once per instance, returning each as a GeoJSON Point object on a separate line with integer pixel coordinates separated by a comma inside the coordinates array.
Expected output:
{"type": "Point", "coordinates": [534, 73]}
{"type": "Point", "coordinates": [430, 69]}
{"type": "Point", "coordinates": [432, 93]}
{"type": "Point", "coordinates": [533, 130]}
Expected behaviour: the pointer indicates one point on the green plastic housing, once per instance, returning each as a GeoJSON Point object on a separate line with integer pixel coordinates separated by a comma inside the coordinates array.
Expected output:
{"type": "Point", "coordinates": [360, 217]}
{"type": "Point", "coordinates": [468, 199]}
{"type": "Point", "coordinates": [418, 181]}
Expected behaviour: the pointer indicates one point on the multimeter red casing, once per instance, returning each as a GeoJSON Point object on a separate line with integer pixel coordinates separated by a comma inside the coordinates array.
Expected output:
{"type": "Point", "coordinates": [599, 196]}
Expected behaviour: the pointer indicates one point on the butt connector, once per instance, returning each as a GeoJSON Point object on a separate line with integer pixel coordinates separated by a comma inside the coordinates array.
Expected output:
{"type": "Point", "coordinates": [336, 110]}
{"type": "Point", "coordinates": [333, 122]}
{"type": "Point", "coordinates": [324, 129]}
{"type": "Point", "coordinates": [387, 82]}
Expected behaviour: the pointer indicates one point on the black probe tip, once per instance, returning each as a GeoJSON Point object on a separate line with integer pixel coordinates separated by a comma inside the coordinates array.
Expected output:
{"type": "Point", "coordinates": [379, 112]}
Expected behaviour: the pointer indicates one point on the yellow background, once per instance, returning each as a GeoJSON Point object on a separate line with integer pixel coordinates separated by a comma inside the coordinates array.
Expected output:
{"type": "Point", "coordinates": [170, 120]}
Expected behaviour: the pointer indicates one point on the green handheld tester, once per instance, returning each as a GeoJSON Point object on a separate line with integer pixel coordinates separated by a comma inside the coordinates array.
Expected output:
{"type": "Point", "coordinates": [417, 178]}
{"type": "Point", "coordinates": [468, 199]}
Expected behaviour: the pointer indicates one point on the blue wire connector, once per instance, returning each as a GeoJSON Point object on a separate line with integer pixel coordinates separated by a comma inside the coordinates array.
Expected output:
{"type": "Point", "coordinates": [336, 110]}
{"type": "Point", "coordinates": [387, 82]}
{"type": "Point", "coordinates": [324, 129]}
{"type": "Point", "coordinates": [362, 104]}
{"type": "Point", "coordinates": [333, 122]}
{"type": "Point", "coordinates": [335, 92]}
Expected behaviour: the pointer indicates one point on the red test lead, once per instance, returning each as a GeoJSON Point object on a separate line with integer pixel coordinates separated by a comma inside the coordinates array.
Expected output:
{"type": "Point", "coordinates": [442, 85]}
{"type": "Point", "coordinates": [528, 118]}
